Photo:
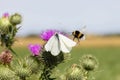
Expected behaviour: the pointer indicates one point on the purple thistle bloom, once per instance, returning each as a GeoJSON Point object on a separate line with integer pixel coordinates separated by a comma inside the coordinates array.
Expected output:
{"type": "Point", "coordinates": [35, 49]}
{"type": "Point", "coordinates": [46, 35]}
{"type": "Point", "coordinates": [6, 15]}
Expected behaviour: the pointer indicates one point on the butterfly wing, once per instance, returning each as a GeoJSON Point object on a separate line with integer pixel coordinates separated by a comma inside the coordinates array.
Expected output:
{"type": "Point", "coordinates": [53, 45]}
{"type": "Point", "coordinates": [66, 44]}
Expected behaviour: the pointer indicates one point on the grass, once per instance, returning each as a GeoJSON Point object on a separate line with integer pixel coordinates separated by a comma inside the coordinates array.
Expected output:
{"type": "Point", "coordinates": [108, 58]}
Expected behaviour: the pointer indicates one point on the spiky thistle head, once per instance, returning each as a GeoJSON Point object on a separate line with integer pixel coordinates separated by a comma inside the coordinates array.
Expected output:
{"type": "Point", "coordinates": [6, 57]}
{"type": "Point", "coordinates": [25, 67]}
{"type": "Point", "coordinates": [20, 70]}
{"type": "Point", "coordinates": [4, 23]}
{"type": "Point", "coordinates": [32, 63]}
{"type": "Point", "coordinates": [15, 19]}
{"type": "Point", "coordinates": [7, 74]}
{"type": "Point", "coordinates": [75, 73]}
{"type": "Point", "coordinates": [89, 62]}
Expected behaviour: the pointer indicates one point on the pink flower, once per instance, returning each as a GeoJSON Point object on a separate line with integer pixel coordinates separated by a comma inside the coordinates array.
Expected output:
{"type": "Point", "coordinates": [6, 15]}
{"type": "Point", "coordinates": [46, 35]}
{"type": "Point", "coordinates": [6, 57]}
{"type": "Point", "coordinates": [35, 49]}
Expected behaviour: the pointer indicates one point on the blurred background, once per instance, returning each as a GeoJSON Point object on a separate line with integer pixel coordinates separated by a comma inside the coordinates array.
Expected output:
{"type": "Point", "coordinates": [101, 19]}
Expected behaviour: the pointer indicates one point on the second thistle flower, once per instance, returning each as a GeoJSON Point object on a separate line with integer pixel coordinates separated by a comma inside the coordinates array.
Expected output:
{"type": "Point", "coordinates": [35, 49]}
{"type": "Point", "coordinates": [46, 35]}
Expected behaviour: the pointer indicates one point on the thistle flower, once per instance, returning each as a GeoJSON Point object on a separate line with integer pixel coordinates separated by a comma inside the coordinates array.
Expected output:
{"type": "Point", "coordinates": [6, 57]}
{"type": "Point", "coordinates": [89, 62]}
{"type": "Point", "coordinates": [35, 49]}
{"type": "Point", "coordinates": [4, 22]}
{"type": "Point", "coordinates": [6, 15]}
{"type": "Point", "coordinates": [46, 35]}
{"type": "Point", "coordinates": [16, 19]}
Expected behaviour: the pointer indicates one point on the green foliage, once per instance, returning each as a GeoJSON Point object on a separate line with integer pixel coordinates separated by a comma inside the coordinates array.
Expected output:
{"type": "Point", "coordinates": [8, 30]}
{"type": "Point", "coordinates": [7, 74]}
{"type": "Point", "coordinates": [26, 67]}
{"type": "Point", "coordinates": [34, 65]}
{"type": "Point", "coordinates": [20, 69]}
{"type": "Point", "coordinates": [50, 62]}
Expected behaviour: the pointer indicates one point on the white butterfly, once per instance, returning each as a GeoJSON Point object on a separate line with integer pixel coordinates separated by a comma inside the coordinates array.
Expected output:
{"type": "Point", "coordinates": [58, 43]}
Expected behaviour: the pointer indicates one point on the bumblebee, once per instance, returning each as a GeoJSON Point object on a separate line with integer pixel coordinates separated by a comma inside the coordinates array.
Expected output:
{"type": "Point", "coordinates": [77, 34]}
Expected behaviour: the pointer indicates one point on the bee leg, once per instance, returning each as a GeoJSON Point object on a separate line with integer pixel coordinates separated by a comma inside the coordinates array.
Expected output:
{"type": "Point", "coordinates": [78, 40]}
{"type": "Point", "coordinates": [73, 38]}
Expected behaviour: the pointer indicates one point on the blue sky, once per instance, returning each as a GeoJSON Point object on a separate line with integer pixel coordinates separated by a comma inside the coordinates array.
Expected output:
{"type": "Point", "coordinates": [100, 16]}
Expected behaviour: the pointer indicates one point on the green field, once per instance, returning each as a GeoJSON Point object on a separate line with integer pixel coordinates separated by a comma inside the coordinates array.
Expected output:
{"type": "Point", "coordinates": [108, 57]}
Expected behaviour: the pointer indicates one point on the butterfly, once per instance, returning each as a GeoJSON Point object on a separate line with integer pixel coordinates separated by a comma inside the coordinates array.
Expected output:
{"type": "Point", "coordinates": [58, 43]}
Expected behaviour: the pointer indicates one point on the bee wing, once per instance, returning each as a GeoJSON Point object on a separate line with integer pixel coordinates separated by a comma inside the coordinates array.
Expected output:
{"type": "Point", "coordinates": [53, 45]}
{"type": "Point", "coordinates": [66, 44]}
{"type": "Point", "coordinates": [83, 38]}
{"type": "Point", "coordinates": [83, 29]}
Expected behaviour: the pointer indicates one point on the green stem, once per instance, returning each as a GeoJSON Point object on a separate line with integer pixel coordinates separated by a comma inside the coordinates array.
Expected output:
{"type": "Point", "coordinates": [12, 50]}
{"type": "Point", "coordinates": [46, 74]}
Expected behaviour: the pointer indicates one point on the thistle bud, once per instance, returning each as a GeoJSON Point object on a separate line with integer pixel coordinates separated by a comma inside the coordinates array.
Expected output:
{"type": "Point", "coordinates": [6, 57]}
{"type": "Point", "coordinates": [89, 62]}
{"type": "Point", "coordinates": [4, 23]}
{"type": "Point", "coordinates": [7, 74]}
{"type": "Point", "coordinates": [22, 73]}
{"type": "Point", "coordinates": [75, 73]}
{"type": "Point", "coordinates": [15, 19]}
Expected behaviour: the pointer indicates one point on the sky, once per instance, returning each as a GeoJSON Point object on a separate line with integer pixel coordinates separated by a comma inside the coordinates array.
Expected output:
{"type": "Point", "coordinates": [100, 16]}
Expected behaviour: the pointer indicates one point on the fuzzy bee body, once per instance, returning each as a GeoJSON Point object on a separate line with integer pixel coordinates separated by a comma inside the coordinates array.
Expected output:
{"type": "Point", "coordinates": [77, 34]}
